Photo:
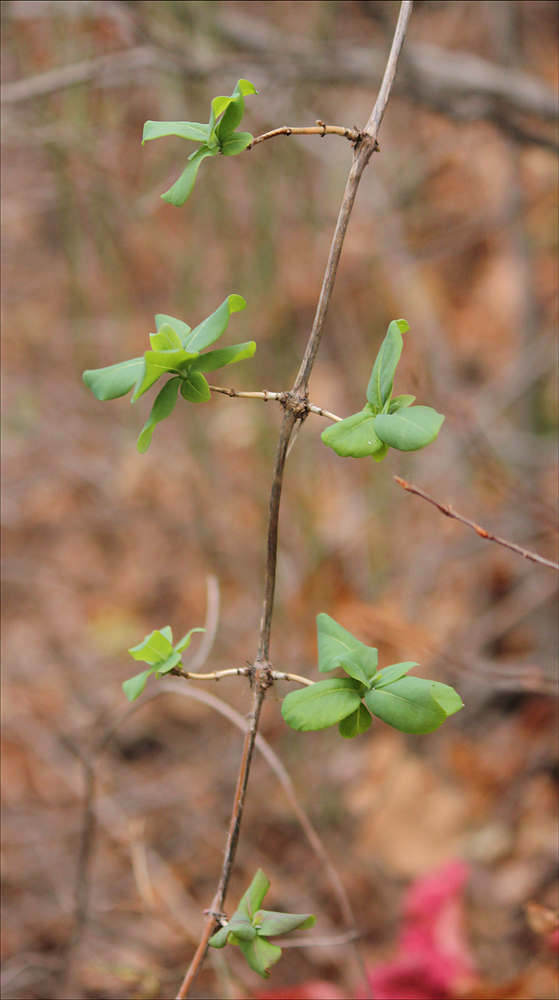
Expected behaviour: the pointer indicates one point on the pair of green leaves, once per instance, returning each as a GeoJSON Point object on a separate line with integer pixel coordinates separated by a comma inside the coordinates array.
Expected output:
{"type": "Point", "coordinates": [217, 136]}
{"type": "Point", "coordinates": [175, 350]}
{"type": "Point", "coordinates": [385, 422]}
{"type": "Point", "coordinates": [158, 651]}
{"type": "Point", "coordinates": [250, 927]}
{"type": "Point", "coordinates": [410, 704]}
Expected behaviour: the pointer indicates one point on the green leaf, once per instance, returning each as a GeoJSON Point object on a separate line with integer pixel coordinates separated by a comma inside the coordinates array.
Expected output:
{"type": "Point", "coordinates": [393, 673]}
{"type": "Point", "coordinates": [155, 649]}
{"type": "Point", "coordinates": [356, 723]}
{"type": "Point", "coordinates": [166, 339]}
{"type": "Point", "coordinates": [446, 697]}
{"type": "Point", "coordinates": [236, 144]}
{"type": "Point", "coordinates": [185, 130]}
{"type": "Point", "coordinates": [183, 329]}
{"type": "Point", "coordinates": [241, 927]}
{"type": "Point", "coordinates": [354, 437]}
{"type": "Point", "coordinates": [167, 632]}
{"type": "Point", "coordinates": [179, 192]}
{"type": "Point", "coordinates": [409, 429]}
{"type": "Point", "coordinates": [260, 954]}
{"type": "Point", "coordinates": [351, 663]}
{"type": "Point", "coordinates": [380, 385]}
{"type": "Point", "coordinates": [114, 381]}
{"type": "Point", "coordinates": [158, 363]}
{"type": "Point", "coordinates": [380, 454]}
{"type": "Point", "coordinates": [407, 705]}
{"type": "Point", "coordinates": [213, 360]}
{"type": "Point", "coordinates": [134, 687]}
{"type": "Point", "coordinates": [162, 407]}
{"type": "Point", "coordinates": [322, 704]}
{"type": "Point", "coordinates": [219, 939]}
{"type": "Point", "coordinates": [169, 664]}
{"type": "Point", "coordinates": [232, 117]}
{"type": "Point", "coordinates": [400, 402]}
{"type": "Point", "coordinates": [270, 924]}
{"type": "Point", "coordinates": [211, 328]}
{"type": "Point", "coordinates": [185, 641]}
{"type": "Point", "coordinates": [254, 896]}
{"type": "Point", "coordinates": [194, 388]}
{"type": "Point", "coordinates": [335, 642]}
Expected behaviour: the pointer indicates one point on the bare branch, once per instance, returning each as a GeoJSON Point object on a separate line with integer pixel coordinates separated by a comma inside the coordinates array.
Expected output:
{"type": "Point", "coordinates": [448, 511]}
{"type": "Point", "coordinates": [319, 129]}
{"type": "Point", "coordinates": [279, 397]}
{"type": "Point", "coordinates": [278, 676]}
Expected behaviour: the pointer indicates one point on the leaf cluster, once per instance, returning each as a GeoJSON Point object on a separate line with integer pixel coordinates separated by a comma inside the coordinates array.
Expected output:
{"type": "Point", "coordinates": [175, 350]}
{"type": "Point", "coordinates": [410, 704]}
{"type": "Point", "coordinates": [219, 135]}
{"type": "Point", "coordinates": [386, 421]}
{"type": "Point", "coordinates": [250, 927]}
{"type": "Point", "coordinates": [158, 652]}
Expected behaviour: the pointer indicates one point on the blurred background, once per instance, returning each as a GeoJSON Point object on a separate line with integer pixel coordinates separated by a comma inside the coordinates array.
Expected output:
{"type": "Point", "coordinates": [455, 229]}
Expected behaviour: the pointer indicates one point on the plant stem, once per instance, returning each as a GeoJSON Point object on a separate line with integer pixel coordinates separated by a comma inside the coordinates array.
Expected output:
{"type": "Point", "coordinates": [278, 397]}
{"type": "Point", "coordinates": [318, 129]}
{"type": "Point", "coordinates": [296, 408]}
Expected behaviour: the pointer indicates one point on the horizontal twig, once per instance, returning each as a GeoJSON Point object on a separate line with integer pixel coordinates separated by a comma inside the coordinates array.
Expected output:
{"type": "Point", "coordinates": [279, 397]}
{"type": "Point", "coordinates": [448, 511]}
{"type": "Point", "coordinates": [319, 129]}
{"type": "Point", "coordinates": [216, 675]}
{"type": "Point", "coordinates": [278, 676]}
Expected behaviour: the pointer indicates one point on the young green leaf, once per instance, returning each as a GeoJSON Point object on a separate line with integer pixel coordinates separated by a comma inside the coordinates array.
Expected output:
{"type": "Point", "coordinates": [211, 328]}
{"type": "Point", "coordinates": [380, 385]}
{"type": "Point", "coordinates": [260, 954]}
{"type": "Point", "coordinates": [335, 642]}
{"type": "Point", "coordinates": [169, 664]}
{"type": "Point", "coordinates": [213, 360]}
{"type": "Point", "coordinates": [185, 130]}
{"type": "Point", "coordinates": [446, 697]}
{"type": "Point", "coordinates": [409, 429]}
{"type": "Point", "coordinates": [179, 192]}
{"type": "Point", "coordinates": [184, 643]}
{"type": "Point", "coordinates": [354, 437]}
{"type": "Point", "coordinates": [167, 632]}
{"type": "Point", "coordinates": [162, 408]}
{"type": "Point", "coordinates": [322, 704]}
{"type": "Point", "coordinates": [155, 649]}
{"type": "Point", "coordinates": [351, 663]}
{"type": "Point", "coordinates": [408, 705]}
{"type": "Point", "coordinates": [393, 673]}
{"type": "Point", "coordinates": [254, 896]}
{"type": "Point", "coordinates": [270, 924]}
{"type": "Point", "coordinates": [236, 143]}
{"type": "Point", "coordinates": [114, 381]}
{"type": "Point", "coordinates": [194, 388]}
{"type": "Point", "coordinates": [134, 687]}
{"type": "Point", "coordinates": [166, 339]}
{"type": "Point", "coordinates": [400, 403]}
{"type": "Point", "coordinates": [158, 363]}
{"type": "Point", "coordinates": [356, 723]}
{"type": "Point", "coordinates": [183, 329]}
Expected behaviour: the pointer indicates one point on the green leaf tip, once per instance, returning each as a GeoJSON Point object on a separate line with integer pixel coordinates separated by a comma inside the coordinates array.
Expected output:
{"type": "Point", "coordinates": [251, 926]}
{"type": "Point", "coordinates": [410, 704]}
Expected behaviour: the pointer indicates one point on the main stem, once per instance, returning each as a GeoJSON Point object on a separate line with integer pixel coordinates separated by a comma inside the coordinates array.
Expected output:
{"type": "Point", "coordinates": [296, 408]}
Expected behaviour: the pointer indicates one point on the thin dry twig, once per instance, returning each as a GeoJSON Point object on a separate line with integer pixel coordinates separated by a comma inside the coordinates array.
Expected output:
{"type": "Point", "coordinates": [319, 129]}
{"type": "Point", "coordinates": [296, 408]}
{"type": "Point", "coordinates": [449, 511]}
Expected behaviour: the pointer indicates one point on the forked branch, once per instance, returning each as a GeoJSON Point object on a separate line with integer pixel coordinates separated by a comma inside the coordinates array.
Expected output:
{"type": "Point", "coordinates": [296, 409]}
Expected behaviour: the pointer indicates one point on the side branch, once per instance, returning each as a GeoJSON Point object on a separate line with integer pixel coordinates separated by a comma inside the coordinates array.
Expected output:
{"type": "Point", "coordinates": [319, 129]}
{"type": "Point", "coordinates": [279, 397]}
{"type": "Point", "coordinates": [448, 511]}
